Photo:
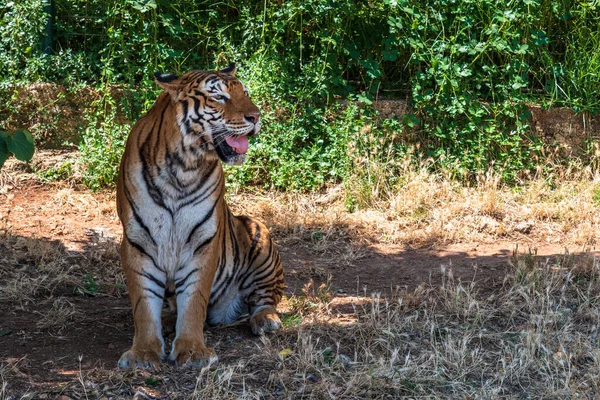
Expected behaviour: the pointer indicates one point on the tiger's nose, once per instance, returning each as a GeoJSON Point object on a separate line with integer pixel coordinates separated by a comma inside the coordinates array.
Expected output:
{"type": "Point", "coordinates": [252, 117]}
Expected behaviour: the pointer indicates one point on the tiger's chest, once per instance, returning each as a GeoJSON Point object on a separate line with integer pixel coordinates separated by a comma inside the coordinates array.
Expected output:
{"type": "Point", "coordinates": [173, 223]}
{"type": "Point", "coordinates": [179, 235]}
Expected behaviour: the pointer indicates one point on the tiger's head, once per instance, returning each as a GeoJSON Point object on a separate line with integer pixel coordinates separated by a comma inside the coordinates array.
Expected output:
{"type": "Point", "coordinates": [214, 112]}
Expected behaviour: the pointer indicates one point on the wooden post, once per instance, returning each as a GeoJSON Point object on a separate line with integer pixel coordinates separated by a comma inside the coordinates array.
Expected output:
{"type": "Point", "coordinates": [48, 40]}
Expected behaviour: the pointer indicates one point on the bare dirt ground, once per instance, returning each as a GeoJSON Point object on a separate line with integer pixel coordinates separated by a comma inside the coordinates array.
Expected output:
{"type": "Point", "coordinates": [65, 316]}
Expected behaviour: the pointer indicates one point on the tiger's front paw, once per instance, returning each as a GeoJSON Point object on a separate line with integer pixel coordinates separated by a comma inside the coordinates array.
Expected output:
{"type": "Point", "coordinates": [135, 358]}
{"type": "Point", "coordinates": [189, 353]}
{"type": "Point", "coordinates": [265, 320]}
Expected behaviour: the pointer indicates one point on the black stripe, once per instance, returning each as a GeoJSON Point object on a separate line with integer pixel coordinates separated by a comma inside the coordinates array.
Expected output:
{"type": "Point", "coordinates": [196, 105]}
{"type": "Point", "coordinates": [136, 215]}
{"type": "Point", "coordinates": [214, 186]}
{"type": "Point", "coordinates": [137, 303]}
{"type": "Point", "coordinates": [254, 271]}
{"type": "Point", "coordinates": [223, 257]}
{"type": "Point", "coordinates": [257, 272]}
{"type": "Point", "coordinates": [199, 224]}
{"type": "Point", "coordinates": [174, 158]}
{"type": "Point", "coordinates": [185, 106]}
{"type": "Point", "coordinates": [182, 281]}
{"type": "Point", "coordinates": [262, 301]}
{"type": "Point", "coordinates": [233, 239]}
{"type": "Point", "coordinates": [206, 242]}
{"type": "Point", "coordinates": [271, 283]}
{"type": "Point", "coordinates": [144, 154]}
{"type": "Point", "coordinates": [252, 253]}
{"type": "Point", "coordinates": [220, 287]}
{"type": "Point", "coordinates": [160, 296]}
{"type": "Point", "coordinates": [143, 251]}
{"type": "Point", "coordinates": [258, 277]}
{"type": "Point", "coordinates": [153, 279]}
{"type": "Point", "coordinates": [202, 182]}
{"type": "Point", "coordinates": [178, 292]}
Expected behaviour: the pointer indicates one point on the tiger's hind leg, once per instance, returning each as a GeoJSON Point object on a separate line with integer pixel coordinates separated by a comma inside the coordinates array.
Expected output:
{"type": "Point", "coordinates": [264, 320]}
{"type": "Point", "coordinates": [146, 286]}
{"type": "Point", "coordinates": [263, 282]}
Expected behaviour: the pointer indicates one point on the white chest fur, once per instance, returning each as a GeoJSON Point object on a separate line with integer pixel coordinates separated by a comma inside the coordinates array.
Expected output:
{"type": "Point", "coordinates": [169, 227]}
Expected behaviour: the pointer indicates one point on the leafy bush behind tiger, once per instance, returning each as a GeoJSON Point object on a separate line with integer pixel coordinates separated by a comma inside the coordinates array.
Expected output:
{"type": "Point", "coordinates": [468, 68]}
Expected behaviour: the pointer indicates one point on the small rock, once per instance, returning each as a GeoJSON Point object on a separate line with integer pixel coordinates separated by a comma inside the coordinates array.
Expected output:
{"type": "Point", "coordinates": [524, 227]}
{"type": "Point", "coordinates": [140, 396]}
{"type": "Point", "coordinates": [345, 360]}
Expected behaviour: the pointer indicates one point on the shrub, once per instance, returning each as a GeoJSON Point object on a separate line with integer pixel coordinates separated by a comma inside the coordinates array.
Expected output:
{"type": "Point", "coordinates": [468, 68]}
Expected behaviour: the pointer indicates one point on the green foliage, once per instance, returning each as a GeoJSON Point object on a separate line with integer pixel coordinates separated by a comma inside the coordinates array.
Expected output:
{"type": "Point", "coordinates": [89, 287]}
{"type": "Point", "coordinates": [596, 195]}
{"type": "Point", "coordinates": [468, 68]}
{"type": "Point", "coordinates": [60, 171]}
{"type": "Point", "coordinates": [19, 143]}
{"type": "Point", "coordinates": [473, 111]}
{"type": "Point", "coordinates": [152, 382]}
{"type": "Point", "coordinates": [21, 26]}
{"type": "Point", "coordinates": [103, 143]}
{"type": "Point", "coordinates": [290, 321]}
{"type": "Point", "coordinates": [302, 152]}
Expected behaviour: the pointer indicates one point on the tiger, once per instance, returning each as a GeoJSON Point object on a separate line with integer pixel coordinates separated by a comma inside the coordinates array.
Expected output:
{"type": "Point", "coordinates": [179, 235]}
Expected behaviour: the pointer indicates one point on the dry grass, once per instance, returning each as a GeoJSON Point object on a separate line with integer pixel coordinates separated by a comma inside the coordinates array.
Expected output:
{"type": "Point", "coordinates": [3, 383]}
{"type": "Point", "coordinates": [533, 335]}
{"type": "Point", "coordinates": [536, 337]}
{"type": "Point", "coordinates": [62, 314]}
{"type": "Point", "coordinates": [30, 267]}
{"type": "Point", "coordinates": [428, 210]}
{"type": "Point", "coordinates": [419, 209]}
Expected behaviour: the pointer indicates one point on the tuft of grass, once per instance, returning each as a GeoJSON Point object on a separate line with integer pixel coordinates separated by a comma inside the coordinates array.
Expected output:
{"type": "Point", "coordinates": [596, 196]}
{"type": "Point", "coordinates": [425, 209]}
{"type": "Point", "coordinates": [291, 320]}
{"type": "Point", "coordinates": [311, 300]}
{"type": "Point", "coordinates": [59, 316]}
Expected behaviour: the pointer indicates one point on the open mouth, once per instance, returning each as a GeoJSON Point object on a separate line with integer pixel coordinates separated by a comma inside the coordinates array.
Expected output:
{"type": "Point", "coordinates": [239, 144]}
{"type": "Point", "coordinates": [232, 148]}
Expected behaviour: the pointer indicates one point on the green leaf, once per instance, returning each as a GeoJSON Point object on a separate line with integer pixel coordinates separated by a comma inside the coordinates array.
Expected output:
{"type": "Point", "coordinates": [21, 145]}
{"type": "Point", "coordinates": [150, 381]}
{"type": "Point", "coordinates": [5, 332]}
{"type": "Point", "coordinates": [4, 153]}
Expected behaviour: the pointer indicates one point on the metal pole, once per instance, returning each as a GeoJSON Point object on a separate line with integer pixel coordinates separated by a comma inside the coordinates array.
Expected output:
{"type": "Point", "coordinates": [48, 40]}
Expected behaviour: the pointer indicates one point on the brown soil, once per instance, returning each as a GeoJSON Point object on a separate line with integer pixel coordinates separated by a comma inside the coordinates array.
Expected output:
{"type": "Point", "coordinates": [82, 228]}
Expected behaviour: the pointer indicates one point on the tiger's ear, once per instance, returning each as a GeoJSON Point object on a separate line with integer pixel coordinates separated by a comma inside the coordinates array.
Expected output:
{"type": "Point", "coordinates": [168, 82]}
{"type": "Point", "coordinates": [230, 69]}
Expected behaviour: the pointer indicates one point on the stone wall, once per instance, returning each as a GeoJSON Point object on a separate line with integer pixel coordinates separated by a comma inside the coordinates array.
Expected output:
{"type": "Point", "coordinates": [56, 117]}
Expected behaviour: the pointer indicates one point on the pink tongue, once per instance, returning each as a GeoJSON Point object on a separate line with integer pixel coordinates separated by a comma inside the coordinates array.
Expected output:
{"type": "Point", "coordinates": [240, 143]}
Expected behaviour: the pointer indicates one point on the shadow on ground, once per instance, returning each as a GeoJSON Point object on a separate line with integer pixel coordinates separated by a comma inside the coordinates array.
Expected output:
{"type": "Point", "coordinates": [63, 311]}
